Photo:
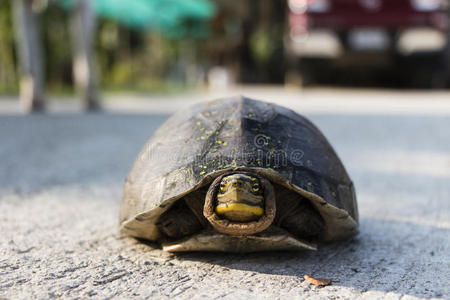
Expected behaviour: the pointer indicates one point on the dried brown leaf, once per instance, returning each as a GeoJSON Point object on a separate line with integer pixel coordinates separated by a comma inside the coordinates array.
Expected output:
{"type": "Point", "coordinates": [317, 281]}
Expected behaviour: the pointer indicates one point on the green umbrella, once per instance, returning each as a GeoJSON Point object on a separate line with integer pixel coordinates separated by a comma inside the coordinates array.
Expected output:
{"type": "Point", "coordinates": [168, 16]}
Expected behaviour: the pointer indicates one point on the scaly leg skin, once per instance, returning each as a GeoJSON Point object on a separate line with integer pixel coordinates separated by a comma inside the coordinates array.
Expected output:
{"type": "Point", "coordinates": [304, 221]}
{"type": "Point", "coordinates": [178, 221]}
{"type": "Point", "coordinates": [297, 215]}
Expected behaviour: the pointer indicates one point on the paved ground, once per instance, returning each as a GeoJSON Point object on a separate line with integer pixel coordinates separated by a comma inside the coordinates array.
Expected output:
{"type": "Point", "coordinates": [60, 187]}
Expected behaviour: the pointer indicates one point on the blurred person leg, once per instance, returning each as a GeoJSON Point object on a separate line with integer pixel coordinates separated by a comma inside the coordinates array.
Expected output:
{"type": "Point", "coordinates": [83, 27]}
{"type": "Point", "coordinates": [447, 48]}
{"type": "Point", "coordinates": [30, 57]}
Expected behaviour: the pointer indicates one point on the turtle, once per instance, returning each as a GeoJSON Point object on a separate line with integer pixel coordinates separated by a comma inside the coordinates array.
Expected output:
{"type": "Point", "coordinates": [238, 175]}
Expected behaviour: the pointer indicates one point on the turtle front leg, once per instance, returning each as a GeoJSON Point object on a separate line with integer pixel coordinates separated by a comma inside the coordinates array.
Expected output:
{"type": "Point", "coordinates": [178, 221]}
{"type": "Point", "coordinates": [303, 221]}
{"type": "Point", "coordinates": [297, 215]}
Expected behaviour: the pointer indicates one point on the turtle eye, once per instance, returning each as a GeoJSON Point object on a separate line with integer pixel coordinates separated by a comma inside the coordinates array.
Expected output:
{"type": "Point", "coordinates": [222, 187]}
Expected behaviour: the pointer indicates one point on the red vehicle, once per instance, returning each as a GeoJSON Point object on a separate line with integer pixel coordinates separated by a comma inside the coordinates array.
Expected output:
{"type": "Point", "coordinates": [404, 37]}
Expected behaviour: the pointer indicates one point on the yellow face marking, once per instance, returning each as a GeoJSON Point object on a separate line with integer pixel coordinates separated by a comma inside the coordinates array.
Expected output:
{"type": "Point", "coordinates": [239, 208]}
{"type": "Point", "coordinates": [240, 198]}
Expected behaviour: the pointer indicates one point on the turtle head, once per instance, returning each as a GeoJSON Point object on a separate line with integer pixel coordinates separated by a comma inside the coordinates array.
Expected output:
{"type": "Point", "coordinates": [240, 198]}
{"type": "Point", "coordinates": [240, 203]}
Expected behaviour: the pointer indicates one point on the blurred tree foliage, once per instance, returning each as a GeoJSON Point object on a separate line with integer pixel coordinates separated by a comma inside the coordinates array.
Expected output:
{"type": "Point", "coordinates": [245, 36]}
{"type": "Point", "coordinates": [8, 76]}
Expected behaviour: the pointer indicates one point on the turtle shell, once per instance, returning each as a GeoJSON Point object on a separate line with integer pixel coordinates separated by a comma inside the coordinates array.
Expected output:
{"type": "Point", "coordinates": [196, 145]}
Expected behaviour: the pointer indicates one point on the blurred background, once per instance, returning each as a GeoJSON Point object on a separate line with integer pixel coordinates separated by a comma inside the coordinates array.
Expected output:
{"type": "Point", "coordinates": [93, 48]}
{"type": "Point", "coordinates": [373, 75]}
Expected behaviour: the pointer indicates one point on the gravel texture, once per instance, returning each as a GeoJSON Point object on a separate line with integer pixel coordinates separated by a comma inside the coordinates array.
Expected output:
{"type": "Point", "coordinates": [61, 177]}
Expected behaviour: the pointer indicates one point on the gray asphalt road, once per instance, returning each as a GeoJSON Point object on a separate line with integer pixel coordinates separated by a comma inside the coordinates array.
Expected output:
{"type": "Point", "coordinates": [60, 186]}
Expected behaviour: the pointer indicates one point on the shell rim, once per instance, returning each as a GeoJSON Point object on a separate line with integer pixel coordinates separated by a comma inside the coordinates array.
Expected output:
{"type": "Point", "coordinates": [338, 221]}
